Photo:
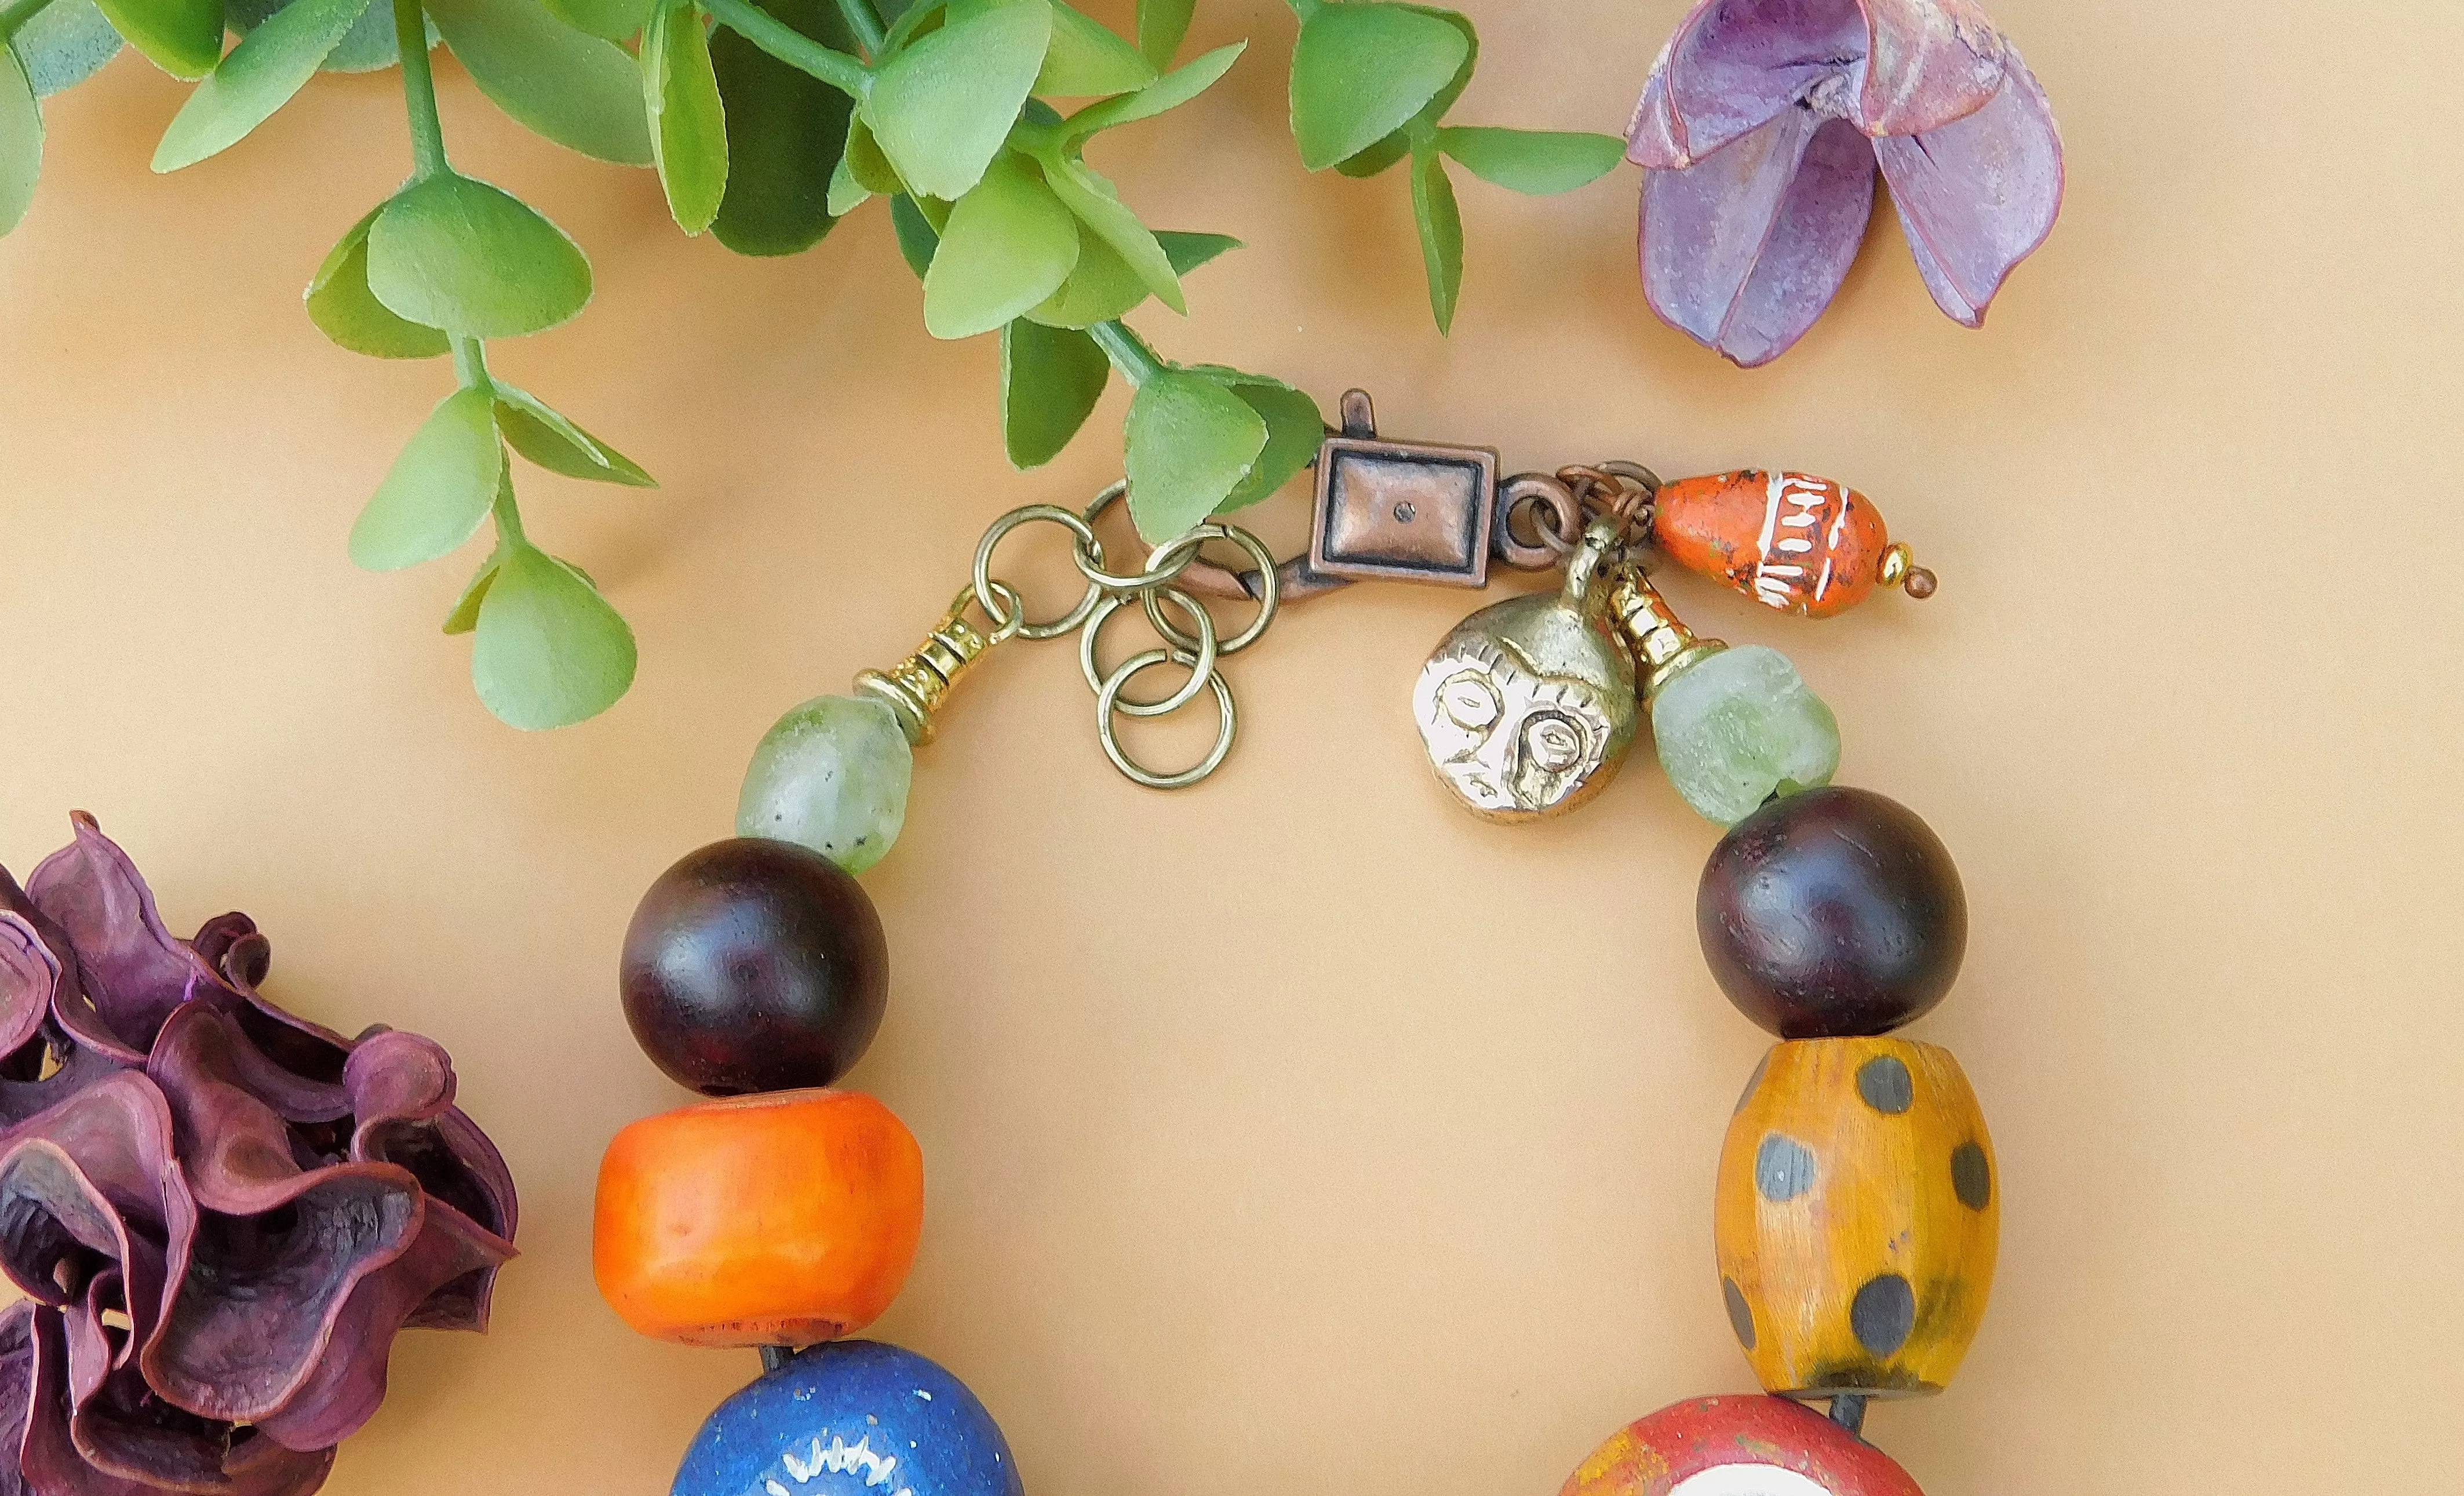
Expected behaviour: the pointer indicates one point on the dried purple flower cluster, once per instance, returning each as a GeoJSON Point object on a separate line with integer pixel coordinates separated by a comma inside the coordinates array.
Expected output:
{"type": "Point", "coordinates": [1760, 131]}
{"type": "Point", "coordinates": [219, 1214]}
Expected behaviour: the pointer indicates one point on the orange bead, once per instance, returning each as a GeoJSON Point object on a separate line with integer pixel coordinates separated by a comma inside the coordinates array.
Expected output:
{"type": "Point", "coordinates": [788, 1218]}
{"type": "Point", "coordinates": [1801, 544]}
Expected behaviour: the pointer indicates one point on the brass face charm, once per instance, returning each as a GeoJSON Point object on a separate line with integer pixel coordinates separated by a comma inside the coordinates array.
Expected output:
{"type": "Point", "coordinates": [1527, 707]}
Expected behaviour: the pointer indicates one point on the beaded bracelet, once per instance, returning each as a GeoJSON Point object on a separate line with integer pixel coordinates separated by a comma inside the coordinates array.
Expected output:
{"type": "Point", "coordinates": [1855, 1216]}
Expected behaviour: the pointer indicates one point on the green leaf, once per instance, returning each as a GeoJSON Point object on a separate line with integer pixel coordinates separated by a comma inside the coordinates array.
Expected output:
{"type": "Point", "coordinates": [1190, 442]}
{"type": "Point", "coordinates": [1532, 161]}
{"type": "Point", "coordinates": [1099, 289]}
{"type": "Point", "coordinates": [1173, 89]}
{"type": "Point", "coordinates": [843, 196]}
{"type": "Point", "coordinates": [1008, 244]}
{"type": "Point", "coordinates": [1085, 57]}
{"type": "Point", "coordinates": [1396, 146]}
{"type": "Point", "coordinates": [183, 37]}
{"type": "Point", "coordinates": [1189, 251]}
{"type": "Point", "coordinates": [437, 491]}
{"type": "Point", "coordinates": [786, 139]}
{"type": "Point", "coordinates": [557, 445]}
{"type": "Point", "coordinates": [560, 83]}
{"type": "Point", "coordinates": [1052, 377]}
{"type": "Point", "coordinates": [270, 64]}
{"type": "Point", "coordinates": [917, 238]}
{"type": "Point", "coordinates": [1435, 109]}
{"type": "Point", "coordinates": [1379, 157]}
{"type": "Point", "coordinates": [688, 119]}
{"type": "Point", "coordinates": [465, 616]}
{"type": "Point", "coordinates": [455, 252]}
{"type": "Point", "coordinates": [870, 168]}
{"type": "Point", "coordinates": [941, 108]}
{"type": "Point", "coordinates": [613, 20]}
{"type": "Point", "coordinates": [1360, 70]}
{"type": "Point", "coordinates": [906, 21]}
{"type": "Point", "coordinates": [345, 310]}
{"type": "Point", "coordinates": [368, 46]}
{"type": "Point", "coordinates": [550, 651]}
{"type": "Point", "coordinates": [1295, 431]}
{"type": "Point", "coordinates": [1433, 208]}
{"type": "Point", "coordinates": [63, 44]}
{"type": "Point", "coordinates": [21, 139]}
{"type": "Point", "coordinates": [1097, 206]}
{"type": "Point", "coordinates": [1161, 25]}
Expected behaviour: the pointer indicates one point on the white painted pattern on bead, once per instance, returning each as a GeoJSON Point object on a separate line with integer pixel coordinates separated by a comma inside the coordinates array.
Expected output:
{"type": "Point", "coordinates": [840, 1458]}
{"type": "Point", "coordinates": [1748, 1479]}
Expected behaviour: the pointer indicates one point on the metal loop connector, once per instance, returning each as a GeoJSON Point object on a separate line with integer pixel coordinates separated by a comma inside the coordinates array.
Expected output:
{"type": "Point", "coordinates": [915, 687]}
{"type": "Point", "coordinates": [1201, 663]}
{"type": "Point", "coordinates": [1109, 705]}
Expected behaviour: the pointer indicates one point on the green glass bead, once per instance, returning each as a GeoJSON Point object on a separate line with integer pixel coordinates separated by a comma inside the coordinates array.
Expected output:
{"type": "Point", "coordinates": [832, 776]}
{"type": "Point", "coordinates": [1739, 725]}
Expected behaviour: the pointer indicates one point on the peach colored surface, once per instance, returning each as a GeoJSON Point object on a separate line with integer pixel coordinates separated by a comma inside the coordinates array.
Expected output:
{"type": "Point", "coordinates": [1303, 1131]}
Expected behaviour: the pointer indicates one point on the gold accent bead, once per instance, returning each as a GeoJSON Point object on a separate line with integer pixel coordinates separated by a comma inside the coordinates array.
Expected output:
{"type": "Point", "coordinates": [915, 687]}
{"type": "Point", "coordinates": [1663, 644]}
{"type": "Point", "coordinates": [1896, 562]}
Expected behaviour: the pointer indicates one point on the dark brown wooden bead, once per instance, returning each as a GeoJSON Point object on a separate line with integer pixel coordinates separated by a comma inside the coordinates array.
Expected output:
{"type": "Point", "coordinates": [1833, 912]}
{"type": "Point", "coordinates": [755, 965]}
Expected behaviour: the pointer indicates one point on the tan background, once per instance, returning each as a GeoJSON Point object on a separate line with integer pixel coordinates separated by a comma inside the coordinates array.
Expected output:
{"type": "Point", "coordinates": [1302, 1131]}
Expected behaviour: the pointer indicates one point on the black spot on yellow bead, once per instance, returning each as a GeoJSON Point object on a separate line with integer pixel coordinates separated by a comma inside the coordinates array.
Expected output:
{"type": "Point", "coordinates": [1741, 1315]}
{"type": "Point", "coordinates": [1887, 1085]}
{"type": "Point", "coordinates": [1971, 1176]}
{"type": "Point", "coordinates": [1783, 1168]}
{"type": "Point", "coordinates": [1753, 1081]}
{"type": "Point", "coordinates": [1883, 1313]}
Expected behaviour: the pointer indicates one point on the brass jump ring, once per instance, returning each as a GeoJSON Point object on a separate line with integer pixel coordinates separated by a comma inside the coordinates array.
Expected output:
{"type": "Point", "coordinates": [1157, 574]}
{"type": "Point", "coordinates": [1269, 588]}
{"type": "Point", "coordinates": [1083, 533]}
{"type": "Point", "coordinates": [1202, 664]}
{"type": "Point", "coordinates": [1108, 699]}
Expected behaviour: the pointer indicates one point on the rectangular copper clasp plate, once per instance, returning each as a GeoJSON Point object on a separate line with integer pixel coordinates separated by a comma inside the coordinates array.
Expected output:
{"type": "Point", "coordinates": [1408, 511]}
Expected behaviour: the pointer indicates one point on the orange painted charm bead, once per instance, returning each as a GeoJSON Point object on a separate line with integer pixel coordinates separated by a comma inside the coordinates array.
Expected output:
{"type": "Point", "coordinates": [1801, 544]}
{"type": "Point", "coordinates": [788, 1218]}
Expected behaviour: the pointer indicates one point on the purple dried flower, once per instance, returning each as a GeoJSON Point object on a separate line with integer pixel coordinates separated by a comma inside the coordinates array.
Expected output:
{"type": "Point", "coordinates": [219, 1214]}
{"type": "Point", "coordinates": [1759, 132]}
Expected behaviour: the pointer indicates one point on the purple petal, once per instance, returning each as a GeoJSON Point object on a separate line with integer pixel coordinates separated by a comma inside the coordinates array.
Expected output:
{"type": "Point", "coordinates": [1931, 61]}
{"type": "Point", "coordinates": [80, 1066]}
{"type": "Point", "coordinates": [91, 1186]}
{"type": "Point", "coordinates": [243, 956]}
{"type": "Point", "coordinates": [29, 975]}
{"type": "Point", "coordinates": [1979, 195]}
{"type": "Point", "coordinates": [209, 1046]}
{"type": "Point", "coordinates": [1743, 252]}
{"type": "Point", "coordinates": [231, 944]}
{"type": "Point", "coordinates": [125, 1441]}
{"type": "Point", "coordinates": [136, 972]}
{"type": "Point", "coordinates": [1733, 66]}
{"type": "Point", "coordinates": [343, 1389]}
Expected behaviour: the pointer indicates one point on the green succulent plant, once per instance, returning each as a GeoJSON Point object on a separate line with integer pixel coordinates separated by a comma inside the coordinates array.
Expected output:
{"type": "Point", "coordinates": [767, 121]}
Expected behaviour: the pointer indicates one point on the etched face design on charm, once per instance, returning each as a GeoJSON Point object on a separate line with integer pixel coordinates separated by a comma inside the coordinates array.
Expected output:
{"type": "Point", "coordinates": [1525, 709]}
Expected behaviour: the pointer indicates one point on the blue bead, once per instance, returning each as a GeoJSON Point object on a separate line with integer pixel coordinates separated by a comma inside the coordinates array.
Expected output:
{"type": "Point", "coordinates": [851, 1418]}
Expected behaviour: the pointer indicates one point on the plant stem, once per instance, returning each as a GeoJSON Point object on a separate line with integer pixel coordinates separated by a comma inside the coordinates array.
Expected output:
{"type": "Point", "coordinates": [866, 22]}
{"type": "Point", "coordinates": [470, 362]}
{"type": "Point", "coordinates": [14, 15]}
{"type": "Point", "coordinates": [787, 44]}
{"type": "Point", "coordinates": [419, 89]}
{"type": "Point", "coordinates": [1127, 351]}
{"type": "Point", "coordinates": [508, 515]}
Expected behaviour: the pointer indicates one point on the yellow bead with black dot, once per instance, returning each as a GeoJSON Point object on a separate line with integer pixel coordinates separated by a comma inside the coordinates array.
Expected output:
{"type": "Point", "coordinates": [1855, 1217]}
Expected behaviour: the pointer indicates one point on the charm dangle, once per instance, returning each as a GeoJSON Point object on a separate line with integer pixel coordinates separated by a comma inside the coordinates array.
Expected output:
{"type": "Point", "coordinates": [1529, 706]}
{"type": "Point", "coordinates": [1789, 540]}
